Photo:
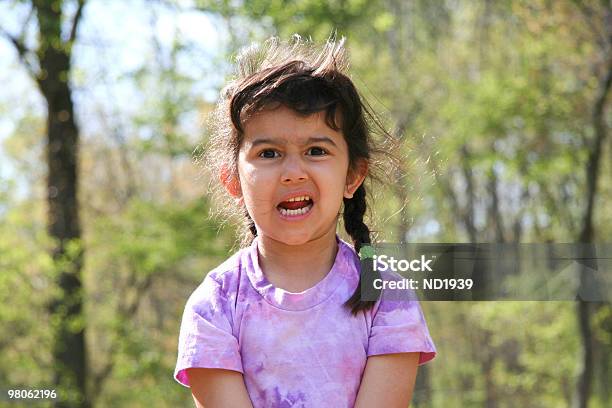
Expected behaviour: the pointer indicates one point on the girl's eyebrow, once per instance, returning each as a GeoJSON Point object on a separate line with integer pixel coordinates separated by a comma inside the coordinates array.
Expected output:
{"type": "Point", "coordinates": [279, 141]}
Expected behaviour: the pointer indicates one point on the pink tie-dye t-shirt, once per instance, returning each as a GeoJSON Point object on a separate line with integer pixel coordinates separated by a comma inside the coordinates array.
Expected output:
{"type": "Point", "coordinates": [294, 349]}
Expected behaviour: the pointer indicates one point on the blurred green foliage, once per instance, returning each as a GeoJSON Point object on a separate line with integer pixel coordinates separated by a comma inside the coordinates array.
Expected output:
{"type": "Point", "coordinates": [492, 103]}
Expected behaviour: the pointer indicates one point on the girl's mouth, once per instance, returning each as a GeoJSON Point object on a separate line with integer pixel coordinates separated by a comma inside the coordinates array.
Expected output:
{"type": "Point", "coordinates": [295, 207]}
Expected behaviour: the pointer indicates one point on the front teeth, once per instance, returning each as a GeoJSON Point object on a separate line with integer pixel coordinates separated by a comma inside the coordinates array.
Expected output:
{"type": "Point", "coordinates": [299, 211]}
{"type": "Point", "coordinates": [302, 198]}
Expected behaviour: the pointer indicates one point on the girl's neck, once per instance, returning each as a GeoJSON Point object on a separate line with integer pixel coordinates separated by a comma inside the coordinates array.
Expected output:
{"type": "Point", "coordinates": [296, 268]}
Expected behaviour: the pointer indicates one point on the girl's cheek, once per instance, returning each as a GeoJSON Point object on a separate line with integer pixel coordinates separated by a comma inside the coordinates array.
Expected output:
{"type": "Point", "coordinates": [248, 172]}
{"type": "Point", "coordinates": [257, 178]}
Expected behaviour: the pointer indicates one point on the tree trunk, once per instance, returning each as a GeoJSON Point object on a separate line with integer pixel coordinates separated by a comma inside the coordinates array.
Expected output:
{"type": "Point", "coordinates": [584, 384]}
{"type": "Point", "coordinates": [470, 209]}
{"type": "Point", "coordinates": [69, 354]}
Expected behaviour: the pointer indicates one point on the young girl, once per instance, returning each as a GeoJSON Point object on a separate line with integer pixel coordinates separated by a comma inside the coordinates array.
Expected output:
{"type": "Point", "coordinates": [282, 323]}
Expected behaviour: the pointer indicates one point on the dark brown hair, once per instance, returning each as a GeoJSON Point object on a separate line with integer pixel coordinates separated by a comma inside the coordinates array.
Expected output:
{"type": "Point", "coordinates": [308, 80]}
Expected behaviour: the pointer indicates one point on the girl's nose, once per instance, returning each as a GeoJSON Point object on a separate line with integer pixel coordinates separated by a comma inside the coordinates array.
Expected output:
{"type": "Point", "coordinates": [293, 170]}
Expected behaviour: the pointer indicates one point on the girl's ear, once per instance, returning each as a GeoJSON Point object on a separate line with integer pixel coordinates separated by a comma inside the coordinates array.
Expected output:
{"type": "Point", "coordinates": [355, 177]}
{"type": "Point", "coordinates": [230, 182]}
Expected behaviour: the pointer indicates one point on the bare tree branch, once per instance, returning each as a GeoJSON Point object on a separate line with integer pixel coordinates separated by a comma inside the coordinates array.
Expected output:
{"type": "Point", "coordinates": [18, 42]}
{"type": "Point", "coordinates": [22, 52]}
{"type": "Point", "coordinates": [75, 21]}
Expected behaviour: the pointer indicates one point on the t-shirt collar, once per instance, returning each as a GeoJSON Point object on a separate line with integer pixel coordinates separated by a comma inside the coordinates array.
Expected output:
{"type": "Point", "coordinates": [301, 300]}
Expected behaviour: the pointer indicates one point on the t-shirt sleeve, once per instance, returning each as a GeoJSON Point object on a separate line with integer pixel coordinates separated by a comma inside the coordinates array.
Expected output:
{"type": "Point", "coordinates": [398, 326]}
{"type": "Point", "coordinates": [206, 338]}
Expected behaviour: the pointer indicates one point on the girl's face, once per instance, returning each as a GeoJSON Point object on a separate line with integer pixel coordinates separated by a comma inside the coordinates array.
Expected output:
{"type": "Point", "coordinates": [293, 175]}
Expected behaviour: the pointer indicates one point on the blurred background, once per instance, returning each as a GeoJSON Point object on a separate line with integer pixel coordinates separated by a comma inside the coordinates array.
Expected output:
{"type": "Point", "coordinates": [502, 109]}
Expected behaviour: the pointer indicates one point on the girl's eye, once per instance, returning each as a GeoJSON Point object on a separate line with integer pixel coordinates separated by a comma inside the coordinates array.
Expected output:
{"type": "Point", "coordinates": [317, 151]}
{"type": "Point", "coordinates": [268, 154]}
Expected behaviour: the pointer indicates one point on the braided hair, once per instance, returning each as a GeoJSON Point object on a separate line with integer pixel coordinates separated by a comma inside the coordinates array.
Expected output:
{"type": "Point", "coordinates": [365, 295]}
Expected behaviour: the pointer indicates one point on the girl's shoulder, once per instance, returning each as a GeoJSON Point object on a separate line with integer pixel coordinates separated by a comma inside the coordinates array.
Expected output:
{"type": "Point", "coordinates": [229, 268]}
{"type": "Point", "coordinates": [223, 280]}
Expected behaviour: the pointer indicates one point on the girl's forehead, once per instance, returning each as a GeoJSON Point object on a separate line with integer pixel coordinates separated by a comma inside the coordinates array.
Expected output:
{"type": "Point", "coordinates": [289, 126]}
